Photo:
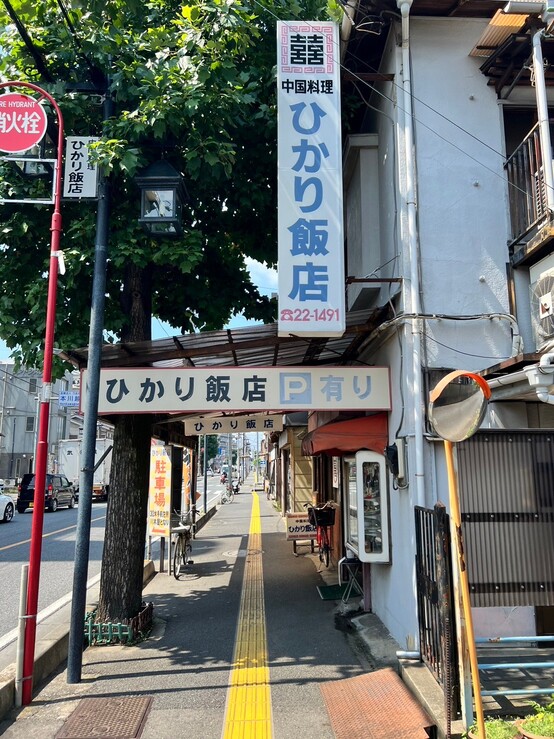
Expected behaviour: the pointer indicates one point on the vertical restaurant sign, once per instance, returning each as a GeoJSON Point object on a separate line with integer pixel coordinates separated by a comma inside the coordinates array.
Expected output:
{"type": "Point", "coordinates": [310, 210]}
{"type": "Point", "coordinates": [187, 478]}
{"type": "Point", "coordinates": [80, 176]}
{"type": "Point", "coordinates": [159, 494]}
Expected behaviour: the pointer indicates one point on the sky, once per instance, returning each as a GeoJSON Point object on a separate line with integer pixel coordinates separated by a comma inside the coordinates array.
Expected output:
{"type": "Point", "coordinates": [262, 276]}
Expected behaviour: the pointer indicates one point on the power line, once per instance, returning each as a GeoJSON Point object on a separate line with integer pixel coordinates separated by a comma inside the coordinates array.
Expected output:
{"type": "Point", "coordinates": [399, 107]}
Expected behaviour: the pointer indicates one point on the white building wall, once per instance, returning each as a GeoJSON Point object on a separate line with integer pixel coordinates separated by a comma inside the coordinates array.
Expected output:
{"type": "Point", "coordinates": [463, 230]}
{"type": "Point", "coordinates": [462, 196]}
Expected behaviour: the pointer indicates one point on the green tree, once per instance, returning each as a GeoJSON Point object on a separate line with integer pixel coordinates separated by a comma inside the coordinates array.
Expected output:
{"type": "Point", "coordinates": [212, 447]}
{"type": "Point", "coordinates": [193, 83]}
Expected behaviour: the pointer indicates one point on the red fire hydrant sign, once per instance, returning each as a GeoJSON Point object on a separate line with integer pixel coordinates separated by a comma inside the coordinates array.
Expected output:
{"type": "Point", "coordinates": [23, 122]}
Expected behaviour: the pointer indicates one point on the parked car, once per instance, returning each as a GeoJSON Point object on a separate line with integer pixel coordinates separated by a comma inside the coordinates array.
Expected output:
{"type": "Point", "coordinates": [58, 491]}
{"type": "Point", "coordinates": [6, 508]}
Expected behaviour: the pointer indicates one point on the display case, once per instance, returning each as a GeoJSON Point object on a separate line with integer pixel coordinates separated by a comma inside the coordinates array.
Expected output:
{"type": "Point", "coordinates": [366, 507]}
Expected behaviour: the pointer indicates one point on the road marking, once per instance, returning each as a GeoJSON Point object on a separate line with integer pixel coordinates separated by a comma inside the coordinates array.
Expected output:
{"type": "Point", "coordinates": [44, 536]}
{"type": "Point", "coordinates": [11, 636]}
{"type": "Point", "coordinates": [248, 714]}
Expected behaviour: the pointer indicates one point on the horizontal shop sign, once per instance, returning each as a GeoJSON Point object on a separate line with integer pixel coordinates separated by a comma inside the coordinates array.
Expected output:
{"type": "Point", "coordinates": [224, 389]}
{"type": "Point", "coordinates": [233, 424]}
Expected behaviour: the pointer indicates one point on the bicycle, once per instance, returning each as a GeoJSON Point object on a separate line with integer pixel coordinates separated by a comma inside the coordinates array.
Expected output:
{"type": "Point", "coordinates": [322, 517]}
{"type": "Point", "coordinates": [183, 544]}
{"type": "Point", "coordinates": [228, 494]}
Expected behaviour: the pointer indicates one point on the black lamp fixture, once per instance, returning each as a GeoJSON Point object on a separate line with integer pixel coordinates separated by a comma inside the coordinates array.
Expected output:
{"type": "Point", "coordinates": [162, 197]}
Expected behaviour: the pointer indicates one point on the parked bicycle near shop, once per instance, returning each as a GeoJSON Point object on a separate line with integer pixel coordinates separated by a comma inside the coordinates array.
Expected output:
{"type": "Point", "coordinates": [183, 543]}
{"type": "Point", "coordinates": [322, 517]}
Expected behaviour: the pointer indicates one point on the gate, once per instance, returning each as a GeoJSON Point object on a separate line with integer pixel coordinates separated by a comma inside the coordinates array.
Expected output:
{"type": "Point", "coordinates": [437, 630]}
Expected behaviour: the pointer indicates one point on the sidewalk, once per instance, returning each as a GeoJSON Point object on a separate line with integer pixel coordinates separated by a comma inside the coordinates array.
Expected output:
{"type": "Point", "coordinates": [178, 677]}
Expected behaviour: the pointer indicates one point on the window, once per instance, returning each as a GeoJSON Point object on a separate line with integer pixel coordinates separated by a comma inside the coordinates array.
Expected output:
{"type": "Point", "coordinates": [32, 386]}
{"type": "Point", "coordinates": [30, 423]}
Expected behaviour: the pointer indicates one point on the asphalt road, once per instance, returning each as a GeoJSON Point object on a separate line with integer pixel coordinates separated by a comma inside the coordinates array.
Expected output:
{"type": "Point", "coordinates": [58, 552]}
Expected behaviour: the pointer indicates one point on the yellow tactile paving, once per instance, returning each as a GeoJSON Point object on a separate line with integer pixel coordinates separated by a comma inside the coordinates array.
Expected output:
{"type": "Point", "coordinates": [248, 714]}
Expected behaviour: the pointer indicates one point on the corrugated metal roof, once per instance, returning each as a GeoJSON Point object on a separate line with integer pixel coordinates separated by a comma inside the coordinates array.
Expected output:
{"type": "Point", "coordinates": [501, 26]}
{"type": "Point", "coordinates": [249, 346]}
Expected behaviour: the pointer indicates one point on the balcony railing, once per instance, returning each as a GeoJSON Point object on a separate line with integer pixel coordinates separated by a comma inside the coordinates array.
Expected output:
{"type": "Point", "coordinates": [527, 187]}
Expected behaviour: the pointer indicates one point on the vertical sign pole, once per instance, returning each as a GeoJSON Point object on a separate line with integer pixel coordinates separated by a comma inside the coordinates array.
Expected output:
{"type": "Point", "coordinates": [41, 455]}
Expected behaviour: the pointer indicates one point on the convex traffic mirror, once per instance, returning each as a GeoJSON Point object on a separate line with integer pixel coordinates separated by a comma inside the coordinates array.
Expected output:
{"type": "Point", "coordinates": [458, 404]}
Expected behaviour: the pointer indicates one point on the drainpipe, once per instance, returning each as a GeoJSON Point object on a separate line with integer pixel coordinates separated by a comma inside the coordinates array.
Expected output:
{"type": "Point", "coordinates": [415, 306]}
{"type": "Point", "coordinates": [542, 110]}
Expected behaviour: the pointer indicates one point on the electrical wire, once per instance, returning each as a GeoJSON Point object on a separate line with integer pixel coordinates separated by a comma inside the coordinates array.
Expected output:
{"type": "Point", "coordinates": [400, 108]}
{"type": "Point", "coordinates": [459, 351]}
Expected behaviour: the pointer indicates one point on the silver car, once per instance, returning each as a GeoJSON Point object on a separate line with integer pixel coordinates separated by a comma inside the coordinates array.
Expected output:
{"type": "Point", "coordinates": [6, 508]}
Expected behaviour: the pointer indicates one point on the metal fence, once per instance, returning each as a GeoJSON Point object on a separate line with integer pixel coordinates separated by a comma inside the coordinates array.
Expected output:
{"type": "Point", "coordinates": [437, 631]}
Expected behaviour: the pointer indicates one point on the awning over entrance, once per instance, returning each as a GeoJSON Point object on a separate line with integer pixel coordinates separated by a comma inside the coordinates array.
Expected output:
{"type": "Point", "coordinates": [335, 439]}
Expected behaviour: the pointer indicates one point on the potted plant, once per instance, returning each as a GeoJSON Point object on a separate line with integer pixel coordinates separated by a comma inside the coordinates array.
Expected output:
{"type": "Point", "coordinates": [541, 723]}
{"type": "Point", "coordinates": [496, 728]}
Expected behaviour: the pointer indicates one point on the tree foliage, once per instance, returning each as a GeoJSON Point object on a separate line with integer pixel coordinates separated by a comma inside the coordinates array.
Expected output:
{"type": "Point", "coordinates": [192, 83]}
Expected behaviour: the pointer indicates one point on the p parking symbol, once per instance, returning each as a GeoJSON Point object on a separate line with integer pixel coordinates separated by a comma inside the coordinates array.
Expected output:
{"type": "Point", "coordinates": [295, 388]}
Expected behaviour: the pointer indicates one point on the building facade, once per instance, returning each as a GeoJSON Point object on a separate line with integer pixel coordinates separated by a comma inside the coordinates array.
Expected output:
{"type": "Point", "coordinates": [449, 225]}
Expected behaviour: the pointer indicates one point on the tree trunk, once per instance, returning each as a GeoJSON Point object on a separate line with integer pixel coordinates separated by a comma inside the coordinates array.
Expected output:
{"type": "Point", "coordinates": [123, 557]}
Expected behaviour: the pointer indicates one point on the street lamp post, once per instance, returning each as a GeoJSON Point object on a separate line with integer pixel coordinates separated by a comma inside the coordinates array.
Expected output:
{"type": "Point", "coordinates": [86, 477]}
{"type": "Point", "coordinates": [41, 455]}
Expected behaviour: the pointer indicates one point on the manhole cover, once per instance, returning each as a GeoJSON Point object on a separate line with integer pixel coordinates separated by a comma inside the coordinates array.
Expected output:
{"type": "Point", "coordinates": [104, 718]}
{"type": "Point", "coordinates": [240, 553]}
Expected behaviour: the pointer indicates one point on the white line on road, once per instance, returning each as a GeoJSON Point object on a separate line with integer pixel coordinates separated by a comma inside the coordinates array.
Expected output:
{"type": "Point", "coordinates": [11, 636]}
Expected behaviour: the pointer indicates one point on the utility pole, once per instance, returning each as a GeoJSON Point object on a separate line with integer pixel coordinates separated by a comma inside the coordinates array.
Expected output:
{"type": "Point", "coordinates": [82, 542]}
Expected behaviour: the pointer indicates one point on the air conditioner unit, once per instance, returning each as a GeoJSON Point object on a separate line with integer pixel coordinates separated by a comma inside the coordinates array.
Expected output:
{"type": "Point", "coordinates": [542, 308]}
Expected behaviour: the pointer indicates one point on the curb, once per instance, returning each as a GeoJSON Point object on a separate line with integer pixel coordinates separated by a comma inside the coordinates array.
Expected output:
{"type": "Point", "coordinates": [51, 649]}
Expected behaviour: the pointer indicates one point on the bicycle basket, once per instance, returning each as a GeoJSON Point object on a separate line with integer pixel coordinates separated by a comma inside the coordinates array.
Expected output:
{"type": "Point", "coordinates": [321, 516]}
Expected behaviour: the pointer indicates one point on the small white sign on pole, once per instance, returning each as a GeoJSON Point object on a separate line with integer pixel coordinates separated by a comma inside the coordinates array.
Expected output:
{"type": "Point", "coordinates": [80, 176]}
{"type": "Point", "coordinates": [310, 215]}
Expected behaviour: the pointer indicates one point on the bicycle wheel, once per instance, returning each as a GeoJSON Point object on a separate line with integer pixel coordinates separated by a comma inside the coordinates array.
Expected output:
{"type": "Point", "coordinates": [326, 549]}
{"type": "Point", "coordinates": [320, 544]}
{"type": "Point", "coordinates": [326, 554]}
{"type": "Point", "coordinates": [178, 557]}
{"type": "Point", "coordinates": [187, 551]}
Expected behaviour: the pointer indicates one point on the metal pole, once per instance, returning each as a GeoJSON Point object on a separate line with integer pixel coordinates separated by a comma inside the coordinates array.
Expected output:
{"type": "Point", "coordinates": [44, 411]}
{"type": "Point", "coordinates": [544, 122]}
{"type": "Point", "coordinates": [464, 584]}
{"type": "Point", "coordinates": [82, 541]}
{"type": "Point", "coordinates": [21, 637]}
{"type": "Point", "coordinates": [230, 455]}
{"type": "Point", "coordinates": [13, 450]}
{"type": "Point", "coordinates": [205, 473]}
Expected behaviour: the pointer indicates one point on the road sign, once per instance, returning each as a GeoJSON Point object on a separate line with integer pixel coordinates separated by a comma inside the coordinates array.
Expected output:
{"type": "Point", "coordinates": [69, 400]}
{"type": "Point", "coordinates": [23, 122]}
